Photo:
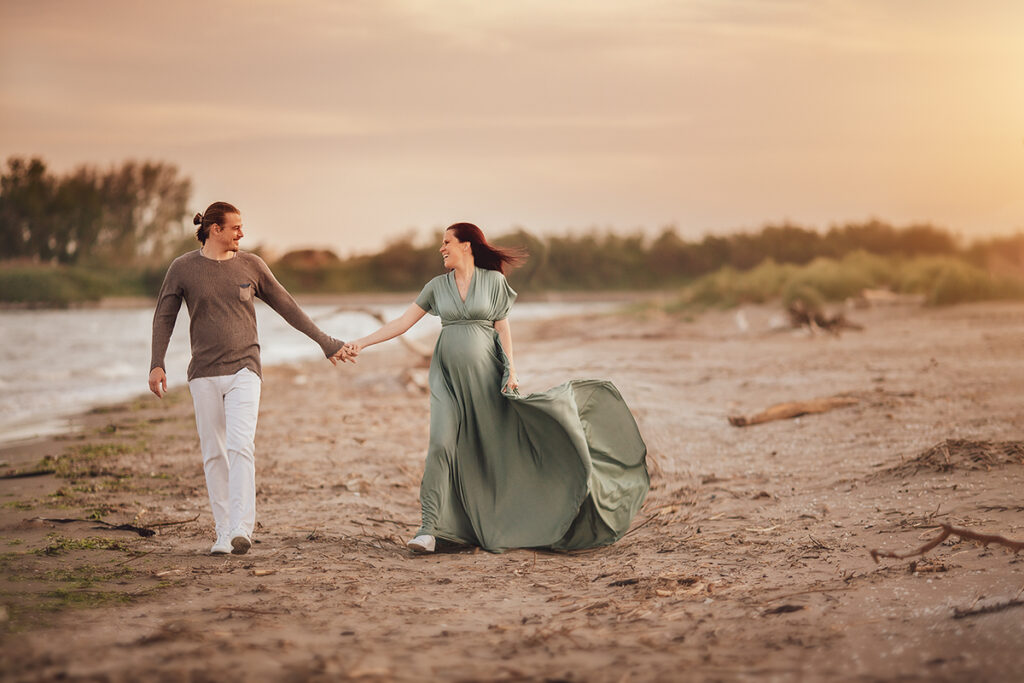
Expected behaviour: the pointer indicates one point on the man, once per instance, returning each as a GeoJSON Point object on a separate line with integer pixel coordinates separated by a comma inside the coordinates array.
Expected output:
{"type": "Point", "coordinates": [219, 284]}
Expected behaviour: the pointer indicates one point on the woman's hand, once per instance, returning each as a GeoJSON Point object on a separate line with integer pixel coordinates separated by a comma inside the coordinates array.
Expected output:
{"type": "Point", "coordinates": [346, 354]}
{"type": "Point", "coordinates": [513, 381]}
{"type": "Point", "coordinates": [349, 352]}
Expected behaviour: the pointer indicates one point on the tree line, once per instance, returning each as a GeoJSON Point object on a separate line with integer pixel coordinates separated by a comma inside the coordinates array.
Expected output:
{"type": "Point", "coordinates": [131, 213]}
{"type": "Point", "coordinates": [608, 260]}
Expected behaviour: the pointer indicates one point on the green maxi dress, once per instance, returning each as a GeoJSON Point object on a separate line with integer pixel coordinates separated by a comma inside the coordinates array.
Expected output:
{"type": "Point", "coordinates": [563, 469]}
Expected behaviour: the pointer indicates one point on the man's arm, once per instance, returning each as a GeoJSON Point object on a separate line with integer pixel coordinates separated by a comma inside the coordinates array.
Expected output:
{"type": "Point", "coordinates": [168, 303]}
{"type": "Point", "coordinates": [278, 298]}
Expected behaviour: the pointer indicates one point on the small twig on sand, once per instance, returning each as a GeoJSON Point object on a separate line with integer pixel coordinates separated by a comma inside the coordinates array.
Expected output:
{"type": "Point", "coordinates": [389, 521]}
{"type": "Point", "coordinates": [251, 610]}
{"type": "Point", "coordinates": [947, 531]}
{"type": "Point", "coordinates": [817, 543]}
{"type": "Point", "coordinates": [132, 559]}
{"type": "Point", "coordinates": [624, 582]}
{"type": "Point", "coordinates": [141, 531]}
{"type": "Point", "coordinates": [184, 521]}
{"type": "Point", "coordinates": [807, 592]}
{"type": "Point", "coordinates": [30, 473]}
{"type": "Point", "coordinates": [642, 524]}
{"type": "Point", "coordinates": [987, 609]}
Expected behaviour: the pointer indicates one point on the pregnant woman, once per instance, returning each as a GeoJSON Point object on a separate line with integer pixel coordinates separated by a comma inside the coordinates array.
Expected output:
{"type": "Point", "coordinates": [562, 469]}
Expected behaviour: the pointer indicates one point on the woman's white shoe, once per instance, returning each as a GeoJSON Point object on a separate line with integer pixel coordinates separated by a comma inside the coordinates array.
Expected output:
{"type": "Point", "coordinates": [422, 544]}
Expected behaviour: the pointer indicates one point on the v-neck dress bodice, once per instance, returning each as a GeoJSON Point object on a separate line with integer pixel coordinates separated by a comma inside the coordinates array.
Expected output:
{"type": "Point", "coordinates": [564, 468]}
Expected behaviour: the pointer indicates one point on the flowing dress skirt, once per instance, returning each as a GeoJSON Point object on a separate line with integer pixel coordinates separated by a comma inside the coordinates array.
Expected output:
{"type": "Point", "coordinates": [562, 469]}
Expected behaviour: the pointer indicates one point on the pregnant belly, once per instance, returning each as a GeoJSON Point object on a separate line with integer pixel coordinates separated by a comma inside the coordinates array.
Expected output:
{"type": "Point", "coordinates": [468, 348]}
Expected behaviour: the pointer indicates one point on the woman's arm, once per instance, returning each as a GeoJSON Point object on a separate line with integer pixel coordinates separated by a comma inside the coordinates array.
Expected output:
{"type": "Point", "coordinates": [390, 330]}
{"type": "Point", "coordinates": [505, 335]}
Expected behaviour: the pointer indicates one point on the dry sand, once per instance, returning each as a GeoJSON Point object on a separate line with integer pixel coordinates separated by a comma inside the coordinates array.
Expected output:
{"type": "Point", "coordinates": [750, 559]}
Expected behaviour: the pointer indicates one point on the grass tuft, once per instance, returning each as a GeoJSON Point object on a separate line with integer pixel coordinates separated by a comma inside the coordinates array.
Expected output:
{"type": "Point", "coordinates": [60, 545]}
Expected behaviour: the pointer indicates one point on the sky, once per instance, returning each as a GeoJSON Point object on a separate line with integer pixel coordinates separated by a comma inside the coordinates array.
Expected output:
{"type": "Point", "coordinates": [347, 124]}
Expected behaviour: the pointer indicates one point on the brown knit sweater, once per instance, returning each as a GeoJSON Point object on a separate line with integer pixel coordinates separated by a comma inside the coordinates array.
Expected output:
{"type": "Point", "coordinates": [220, 297]}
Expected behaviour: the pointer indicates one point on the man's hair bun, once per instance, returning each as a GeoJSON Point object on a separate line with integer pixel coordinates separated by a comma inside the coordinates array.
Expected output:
{"type": "Point", "coordinates": [214, 215]}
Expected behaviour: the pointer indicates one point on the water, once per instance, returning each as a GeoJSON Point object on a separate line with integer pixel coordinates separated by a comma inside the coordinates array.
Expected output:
{"type": "Point", "coordinates": [55, 364]}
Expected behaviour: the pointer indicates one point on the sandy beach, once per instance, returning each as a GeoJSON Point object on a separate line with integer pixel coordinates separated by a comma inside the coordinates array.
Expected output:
{"type": "Point", "coordinates": [749, 561]}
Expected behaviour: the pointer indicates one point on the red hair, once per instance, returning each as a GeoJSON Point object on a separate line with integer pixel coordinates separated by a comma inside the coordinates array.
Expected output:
{"type": "Point", "coordinates": [485, 254]}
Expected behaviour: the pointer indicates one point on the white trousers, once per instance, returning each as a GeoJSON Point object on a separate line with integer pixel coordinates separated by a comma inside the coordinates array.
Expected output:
{"type": "Point", "coordinates": [226, 410]}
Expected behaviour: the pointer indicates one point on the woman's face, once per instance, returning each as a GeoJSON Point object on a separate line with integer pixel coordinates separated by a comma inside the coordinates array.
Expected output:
{"type": "Point", "coordinates": [454, 252]}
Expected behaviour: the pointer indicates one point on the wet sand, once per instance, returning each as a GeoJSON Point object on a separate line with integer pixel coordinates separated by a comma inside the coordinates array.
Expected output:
{"type": "Point", "coordinates": [750, 559]}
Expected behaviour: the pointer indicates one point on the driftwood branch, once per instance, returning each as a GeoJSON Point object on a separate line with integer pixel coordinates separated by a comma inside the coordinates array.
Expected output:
{"type": "Point", "coordinates": [947, 531]}
{"type": "Point", "coordinates": [785, 411]}
{"type": "Point", "coordinates": [800, 315]}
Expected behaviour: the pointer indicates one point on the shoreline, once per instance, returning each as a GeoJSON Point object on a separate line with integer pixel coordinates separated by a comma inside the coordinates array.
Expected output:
{"type": "Point", "coordinates": [69, 385]}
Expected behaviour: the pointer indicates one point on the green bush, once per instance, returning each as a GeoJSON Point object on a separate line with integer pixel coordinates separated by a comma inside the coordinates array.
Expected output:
{"type": "Point", "coordinates": [943, 280]}
{"type": "Point", "coordinates": [832, 280]}
{"type": "Point", "coordinates": [810, 297]}
{"type": "Point", "coordinates": [952, 281]}
{"type": "Point", "coordinates": [37, 286]}
{"type": "Point", "coordinates": [62, 286]}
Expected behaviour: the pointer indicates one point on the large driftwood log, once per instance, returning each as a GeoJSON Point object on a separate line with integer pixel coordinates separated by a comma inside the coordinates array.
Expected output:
{"type": "Point", "coordinates": [785, 411]}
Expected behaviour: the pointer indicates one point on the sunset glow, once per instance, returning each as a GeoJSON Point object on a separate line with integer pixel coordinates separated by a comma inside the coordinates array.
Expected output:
{"type": "Point", "coordinates": [347, 124]}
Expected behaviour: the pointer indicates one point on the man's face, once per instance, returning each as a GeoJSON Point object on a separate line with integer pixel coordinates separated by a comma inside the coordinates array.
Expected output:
{"type": "Point", "coordinates": [228, 235]}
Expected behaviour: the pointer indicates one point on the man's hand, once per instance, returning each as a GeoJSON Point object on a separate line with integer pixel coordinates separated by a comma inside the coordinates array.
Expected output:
{"type": "Point", "coordinates": [346, 354]}
{"type": "Point", "coordinates": [158, 382]}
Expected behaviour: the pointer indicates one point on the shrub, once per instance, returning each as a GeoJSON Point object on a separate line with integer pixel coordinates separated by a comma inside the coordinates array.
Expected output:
{"type": "Point", "coordinates": [61, 286]}
{"type": "Point", "coordinates": [943, 280]}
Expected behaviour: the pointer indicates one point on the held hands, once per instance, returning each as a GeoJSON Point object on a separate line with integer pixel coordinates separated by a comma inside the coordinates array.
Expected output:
{"type": "Point", "coordinates": [158, 382]}
{"type": "Point", "coordinates": [346, 354]}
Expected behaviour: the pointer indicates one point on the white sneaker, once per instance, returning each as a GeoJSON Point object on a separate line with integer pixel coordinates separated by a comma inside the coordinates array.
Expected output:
{"type": "Point", "coordinates": [240, 542]}
{"type": "Point", "coordinates": [222, 546]}
{"type": "Point", "coordinates": [422, 544]}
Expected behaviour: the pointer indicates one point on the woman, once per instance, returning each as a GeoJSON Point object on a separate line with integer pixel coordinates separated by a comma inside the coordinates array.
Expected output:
{"type": "Point", "coordinates": [561, 469]}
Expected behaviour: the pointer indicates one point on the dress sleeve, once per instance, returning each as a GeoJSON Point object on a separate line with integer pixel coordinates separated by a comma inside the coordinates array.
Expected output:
{"type": "Point", "coordinates": [504, 297]}
{"type": "Point", "coordinates": [426, 298]}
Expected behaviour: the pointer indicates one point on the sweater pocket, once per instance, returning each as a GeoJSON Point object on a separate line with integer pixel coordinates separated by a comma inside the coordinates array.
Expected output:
{"type": "Point", "coordinates": [245, 292]}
